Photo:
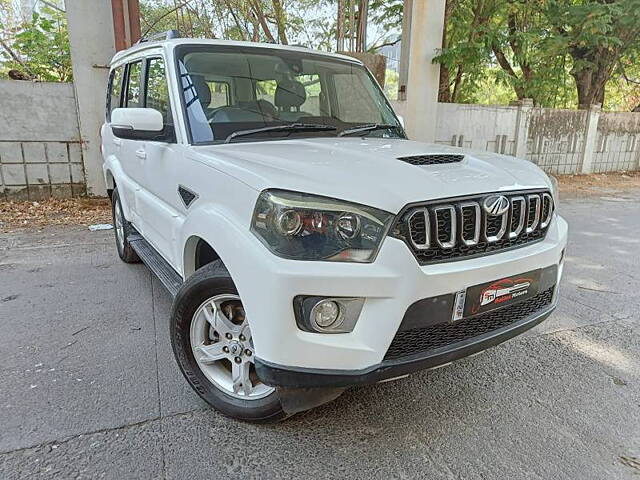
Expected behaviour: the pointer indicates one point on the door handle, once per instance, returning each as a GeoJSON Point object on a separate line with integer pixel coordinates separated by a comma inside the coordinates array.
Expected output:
{"type": "Point", "coordinates": [117, 142]}
{"type": "Point", "coordinates": [140, 153]}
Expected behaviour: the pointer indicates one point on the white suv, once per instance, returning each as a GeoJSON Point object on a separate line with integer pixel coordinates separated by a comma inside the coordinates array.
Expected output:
{"type": "Point", "coordinates": [308, 244]}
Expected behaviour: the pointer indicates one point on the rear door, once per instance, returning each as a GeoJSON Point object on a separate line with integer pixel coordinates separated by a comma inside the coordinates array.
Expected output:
{"type": "Point", "coordinates": [112, 145]}
{"type": "Point", "coordinates": [131, 158]}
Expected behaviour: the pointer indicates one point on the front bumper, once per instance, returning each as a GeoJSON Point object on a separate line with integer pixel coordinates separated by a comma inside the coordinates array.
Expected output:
{"type": "Point", "coordinates": [278, 375]}
{"type": "Point", "coordinates": [390, 285]}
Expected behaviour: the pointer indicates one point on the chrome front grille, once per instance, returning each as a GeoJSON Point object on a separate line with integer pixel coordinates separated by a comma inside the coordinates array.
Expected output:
{"type": "Point", "coordinates": [463, 227]}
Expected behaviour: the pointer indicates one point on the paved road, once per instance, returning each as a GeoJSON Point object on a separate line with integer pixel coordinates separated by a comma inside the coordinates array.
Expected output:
{"type": "Point", "coordinates": [89, 388]}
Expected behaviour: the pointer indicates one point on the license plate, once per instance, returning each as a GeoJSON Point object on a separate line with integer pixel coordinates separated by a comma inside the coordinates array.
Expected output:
{"type": "Point", "coordinates": [498, 293]}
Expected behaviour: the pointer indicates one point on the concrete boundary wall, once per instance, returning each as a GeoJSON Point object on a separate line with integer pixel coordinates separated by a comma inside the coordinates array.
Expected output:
{"type": "Point", "coordinates": [559, 141]}
{"type": "Point", "coordinates": [41, 152]}
{"type": "Point", "coordinates": [40, 148]}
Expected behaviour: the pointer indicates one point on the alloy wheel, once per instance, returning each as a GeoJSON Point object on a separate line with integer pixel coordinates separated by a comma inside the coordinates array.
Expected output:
{"type": "Point", "coordinates": [223, 348]}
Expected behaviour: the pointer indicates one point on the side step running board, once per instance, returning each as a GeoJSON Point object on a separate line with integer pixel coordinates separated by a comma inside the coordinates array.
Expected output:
{"type": "Point", "coordinates": [158, 265]}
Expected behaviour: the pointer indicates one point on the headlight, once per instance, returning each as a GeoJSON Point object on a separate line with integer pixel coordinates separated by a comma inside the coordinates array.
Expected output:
{"type": "Point", "coordinates": [555, 190]}
{"type": "Point", "coordinates": [307, 227]}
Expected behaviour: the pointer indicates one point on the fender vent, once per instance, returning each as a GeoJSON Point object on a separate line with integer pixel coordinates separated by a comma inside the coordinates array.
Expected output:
{"type": "Point", "coordinates": [436, 159]}
{"type": "Point", "coordinates": [186, 195]}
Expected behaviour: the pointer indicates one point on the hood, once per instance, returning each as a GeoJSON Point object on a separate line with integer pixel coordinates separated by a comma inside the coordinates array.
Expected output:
{"type": "Point", "coordinates": [367, 171]}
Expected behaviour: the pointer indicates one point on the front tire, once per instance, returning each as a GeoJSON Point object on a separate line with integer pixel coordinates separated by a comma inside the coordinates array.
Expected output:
{"type": "Point", "coordinates": [212, 343]}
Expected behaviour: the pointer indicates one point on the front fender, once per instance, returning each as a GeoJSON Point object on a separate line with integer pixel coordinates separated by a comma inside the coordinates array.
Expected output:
{"type": "Point", "coordinates": [233, 241]}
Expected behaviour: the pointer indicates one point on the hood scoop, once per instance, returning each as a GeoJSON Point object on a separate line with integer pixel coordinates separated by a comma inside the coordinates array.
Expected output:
{"type": "Point", "coordinates": [432, 159]}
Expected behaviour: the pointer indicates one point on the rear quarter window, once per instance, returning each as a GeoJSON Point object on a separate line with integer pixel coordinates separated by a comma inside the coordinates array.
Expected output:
{"type": "Point", "coordinates": [134, 86]}
{"type": "Point", "coordinates": [114, 92]}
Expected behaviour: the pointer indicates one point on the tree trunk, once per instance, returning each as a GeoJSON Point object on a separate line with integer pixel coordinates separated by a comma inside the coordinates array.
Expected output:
{"type": "Point", "coordinates": [352, 24]}
{"type": "Point", "coordinates": [237, 22]}
{"type": "Point", "coordinates": [457, 85]}
{"type": "Point", "coordinates": [592, 78]}
{"type": "Point", "coordinates": [257, 8]}
{"type": "Point", "coordinates": [480, 17]}
{"type": "Point", "coordinates": [444, 93]}
{"type": "Point", "coordinates": [340, 27]}
{"type": "Point", "coordinates": [506, 66]}
{"type": "Point", "coordinates": [590, 91]}
{"type": "Point", "coordinates": [361, 33]}
{"type": "Point", "coordinates": [590, 83]}
{"type": "Point", "coordinates": [281, 21]}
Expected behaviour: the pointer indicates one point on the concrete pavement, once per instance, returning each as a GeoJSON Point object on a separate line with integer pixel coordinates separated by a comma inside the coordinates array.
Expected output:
{"type": "Point", "coordinates": [89, 387]}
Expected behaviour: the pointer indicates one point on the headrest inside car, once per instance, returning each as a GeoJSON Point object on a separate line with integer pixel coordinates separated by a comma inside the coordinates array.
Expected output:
{"type": "Point", "coordinates": [202, 89]}
{"type": "Point", "coordinates": [290, 94]}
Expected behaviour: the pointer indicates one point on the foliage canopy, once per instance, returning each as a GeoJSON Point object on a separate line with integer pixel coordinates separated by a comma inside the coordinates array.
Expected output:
{"type": "Point", "coordinates": [560, 53]}
{"type": "Point", "coordinates": [40, 48]}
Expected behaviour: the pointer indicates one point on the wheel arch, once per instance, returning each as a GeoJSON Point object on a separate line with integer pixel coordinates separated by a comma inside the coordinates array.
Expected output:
{"type": "Point", "coordinates": [210, 233]}
{"type": "Point", "coordinates": [197, 253]}
{"type": "Point", "coordinates": [110, 182]}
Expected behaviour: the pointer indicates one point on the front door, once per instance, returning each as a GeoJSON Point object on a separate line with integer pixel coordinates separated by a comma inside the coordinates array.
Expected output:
{"type": "Point", "coordinates": [159, 161]}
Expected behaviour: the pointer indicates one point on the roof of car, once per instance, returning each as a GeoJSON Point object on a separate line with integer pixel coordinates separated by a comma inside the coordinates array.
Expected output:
{"type": "Point", "coordinates": [138, 47]}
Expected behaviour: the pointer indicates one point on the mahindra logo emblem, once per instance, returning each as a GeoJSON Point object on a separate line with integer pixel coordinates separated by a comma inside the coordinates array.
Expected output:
{"type": "Point", "coordinates": [496, 205]}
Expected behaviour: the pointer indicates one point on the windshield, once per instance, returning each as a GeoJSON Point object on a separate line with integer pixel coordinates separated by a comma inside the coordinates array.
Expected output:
{"type": "Point", "coordinates": [233, 93]}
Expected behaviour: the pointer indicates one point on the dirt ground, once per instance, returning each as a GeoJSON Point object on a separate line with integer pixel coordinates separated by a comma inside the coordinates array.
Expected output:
{"type": "Point", "coordinates": [597, 184]}
{"type": "Point", "coordinates": [17, 216]}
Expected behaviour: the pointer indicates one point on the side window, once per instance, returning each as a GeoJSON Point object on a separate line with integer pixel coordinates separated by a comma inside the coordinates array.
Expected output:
{"type": "Point", "coordinates": [133, 86]}
{"type": "Point", "coordinates": [157, 90]}
{"type": "Point", "coordinates": [266, 90]}
{"type": "Point", "coordinates": [312, 88]}
{"type": "Point", "coordinates": [356, 103]}
{"type": "Point", "coordinates": [220, 94]}
{"type": "Point", "coordinates": [115, 90]}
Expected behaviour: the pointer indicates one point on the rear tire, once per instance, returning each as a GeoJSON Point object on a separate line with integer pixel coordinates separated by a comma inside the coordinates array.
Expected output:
{"type": "Point", "coordinates": [122, 230]}
{"type": "Point", "coordinates": [196, 328]}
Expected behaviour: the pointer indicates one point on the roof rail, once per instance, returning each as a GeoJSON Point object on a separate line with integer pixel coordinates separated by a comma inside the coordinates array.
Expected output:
{"type": "Point", "coordinates": [168, 35]}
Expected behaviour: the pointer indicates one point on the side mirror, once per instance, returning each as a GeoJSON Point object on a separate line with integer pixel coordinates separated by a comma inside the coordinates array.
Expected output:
{"type": "Point", "coordinates": [137, 124]}
{"type": "Point", "coordinates": [401, 120]}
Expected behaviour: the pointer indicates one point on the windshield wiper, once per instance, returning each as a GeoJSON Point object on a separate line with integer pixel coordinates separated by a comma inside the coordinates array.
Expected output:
{"type": "Point", "coordinates": [292, 127]}
{"type": "Point", "coordinates": [365, 128]}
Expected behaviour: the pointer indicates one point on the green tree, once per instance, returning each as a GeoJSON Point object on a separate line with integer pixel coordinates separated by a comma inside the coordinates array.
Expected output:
{"type": "Point", "coordinates": [503, 39]}
{"type": "Point", "coordinates": [597, 35]}
{"type": "Point", "coordinates": [40, 48]}
{"type": "Point", "coordinates": [557, 52]}
{"type": "Point", "coordinates": [273, 21]}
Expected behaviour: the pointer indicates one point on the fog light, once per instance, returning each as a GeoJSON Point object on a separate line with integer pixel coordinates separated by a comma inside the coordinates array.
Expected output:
{"type": "Point", "coordinates": [325, 313]}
